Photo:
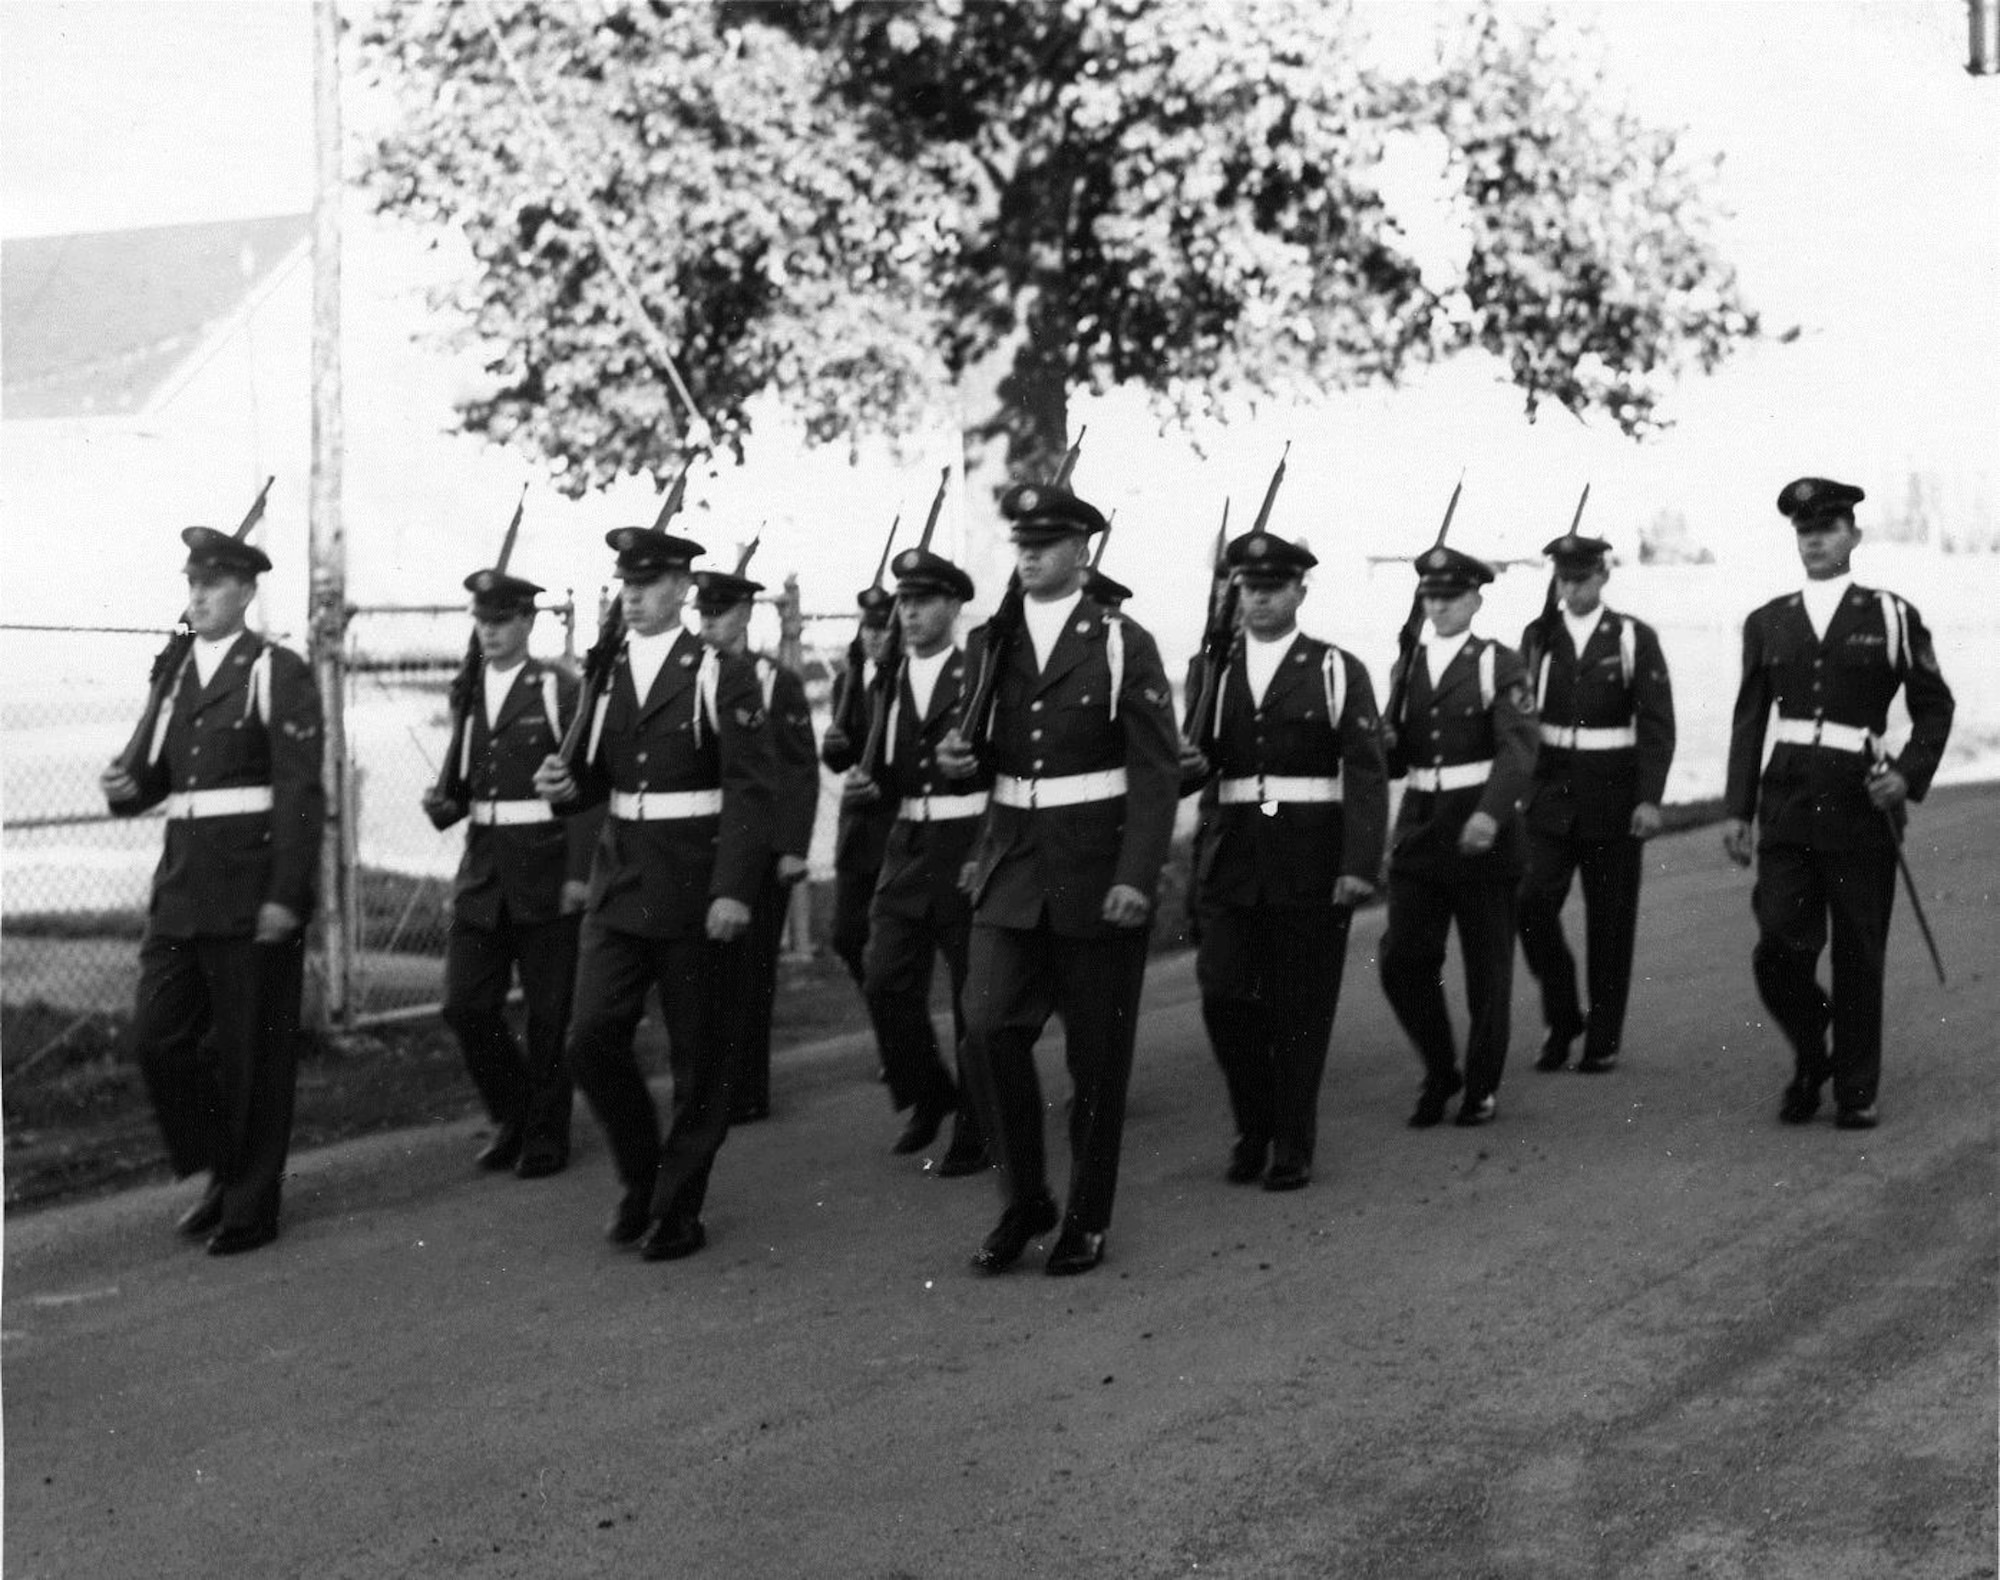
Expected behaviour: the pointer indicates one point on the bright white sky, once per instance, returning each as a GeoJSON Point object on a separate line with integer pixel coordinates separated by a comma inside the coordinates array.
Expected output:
{"type": "Point", "coordinates": [1861, 162]}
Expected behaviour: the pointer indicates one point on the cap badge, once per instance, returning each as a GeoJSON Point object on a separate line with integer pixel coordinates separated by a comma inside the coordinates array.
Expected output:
{"type": "Point", "coordinates": [1257, 548]}
{"type": "Point", "coordinates": [1028, 500]}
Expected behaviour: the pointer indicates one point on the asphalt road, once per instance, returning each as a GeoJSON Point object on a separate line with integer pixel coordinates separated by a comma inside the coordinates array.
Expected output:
{"type": "Point", "coordinates": [1634, 1329]}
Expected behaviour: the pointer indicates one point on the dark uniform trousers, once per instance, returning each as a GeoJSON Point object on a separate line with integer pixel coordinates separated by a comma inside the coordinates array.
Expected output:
{"type": "Point", "coordinates": [797, 765]}
{"type": "Point", "coordinates": [650, 889]}
{"type": "Point", "coordinates": [1825, 855]}
{"type": "Point", "coordinates": [507, 913]}
{"type": "Point", "coordinates": [918, 911]}
{"type": "Point", "coordinates": [1579, 816]}
{"type": "Point", "coordinates": [1039, 944]}
{"type": "Point", "coordinates": [1273, 945]}
{"type": "Point", "coordinates": [528, 1085]}
{"type": "Point", "coordinates": [216, 1015]}
{"type": "Point", "coordinates": [1432, 888]}
{"type": "Point", "coordinates": [860, 840]}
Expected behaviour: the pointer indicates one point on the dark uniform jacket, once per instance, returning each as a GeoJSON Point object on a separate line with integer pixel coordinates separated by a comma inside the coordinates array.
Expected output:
{"type": "Point", "coordinates": [795, 755]}
{"type": "Point", "coordinates": [1809, 795]}
{"type": "Point", "coordinates": [215, 872]}
{"type": "Point", "coordinates": [519, 866]}
{"type": "Point", "coordinates": [1591, 794]}
{"type": "Point", "coordinates": [656, 879]}
{"type": "Point", "coordinates": [1059, 722]}
{"type": "Point", "coordinates": [1293, 855]}
{"type": "Point", "coordinates": [863, 831]}
{"type": "Point", "coordinates": [921, 860]}
{"type": "Point", "coordinates": [1449, 720]}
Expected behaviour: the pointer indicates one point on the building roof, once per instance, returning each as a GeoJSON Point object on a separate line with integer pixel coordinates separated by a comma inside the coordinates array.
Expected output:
{"type": "Point", "coordinates": [95, 324]}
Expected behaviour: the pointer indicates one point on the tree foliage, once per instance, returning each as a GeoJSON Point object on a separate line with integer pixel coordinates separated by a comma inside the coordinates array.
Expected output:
{"type": "Point", "coordinates": [859, 207]}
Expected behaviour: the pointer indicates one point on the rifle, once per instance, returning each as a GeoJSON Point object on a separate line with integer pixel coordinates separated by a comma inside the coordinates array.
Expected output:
{"type": "Point", "coordinates": [1219, 638]}
{"type": "Point", "coordinates": [1544, 628]}
{"type": "Point", "coordinates": [602, 657]}
{"type": "Point", "coordinates": [889, 669]}
{"type": "Point", "coordinates": [464, 689]}
{"type": "Point", "coordinates": [167, 663]}
{"type": "Point", "coordinates": [976, 720]}
{"type": "Point", "coordinates": [1413, 627]}
{"type": "Point", "coordinates": [857, 652]}
{"type": "Point", "coordinates": [1104, 540]}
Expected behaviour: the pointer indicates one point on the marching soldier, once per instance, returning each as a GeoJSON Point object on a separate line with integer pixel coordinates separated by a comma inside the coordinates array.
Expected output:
{"type": "Point", "coordinates": [236, 758]}
{"type": "Point", "coordinates": [1291, 842]}
{"type": "Point", "coordinates": [679, 751]}
{"type": "Point", "coordinates": [1830, 804]}
{"type": "Point", "coordinates": [919, 910]}
{"type": "Point", "coordinates": [725, 603]}
{"type": "Point", "coordinates": [1065, 871]}
{"type": "Point", "coordinates": [863, 832]}
{"type": "Point", "coordinates": [521, 887]}
{"type": "Point", "coordinates": [1607, 739]}
{"type": "Point", "coordinates": [1465, 749]}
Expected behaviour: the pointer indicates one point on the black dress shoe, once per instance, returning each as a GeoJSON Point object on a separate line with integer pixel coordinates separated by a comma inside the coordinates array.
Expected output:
{"type": "Point", "coordinates": [541, 1160]}
{"type": "Point", "coordinates": [1288, 1176]}
{"type": "Point", "coordinates": [204, 1216]}
{"type": "Point", "coordinates": [1597, 1063]}
{"type": "Point", "coordinates": [504, 1150]}
{"type": "Point", "coordinates": [924, 1124]}
{"type": "Point", "coordinates": [1555, 1050]}
{"type": "Point", "coordinates": [669, 1240]}
{"type": "Point", "coordinates": [956, 1164]}
{"type": "Point", "coordinates": [1857, 1118]}
{"type": "Point", "coordinates": [1076, 1251]}
{"type": "Point", "coordinates": [1799, 1104]}
{"type": "Point", "coordinates": [1432, 1099]}
{"type": "Point", "coordinates": [750, 1113]}
{"type": "Point", "coordinates": [630, 1217]}
{"type": "Point", "coordinates": [241, 1237]}
{"type": "Point", "coordinates": [1246, 1161]}
{"type": "Point", "coordinates": [1476, 1111]}
{"type": "Point", "coordinates": [1017, 1226]}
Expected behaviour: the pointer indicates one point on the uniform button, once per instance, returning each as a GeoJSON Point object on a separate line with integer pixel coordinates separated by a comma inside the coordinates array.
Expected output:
{"type": "Point", "coordinates": [1038, 762]}
{"type": "Point", "coordinates": [1034, 707]}
{"type": "Point", "coordinates": [1034, 735]}
{"type": "Point", "coordinates": [642, 757]}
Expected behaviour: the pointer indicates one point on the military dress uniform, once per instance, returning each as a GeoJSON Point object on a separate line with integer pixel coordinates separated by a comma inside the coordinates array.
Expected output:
{"type": "Point", "coordinates": [507, 910]}
{"type": "Point", "coordinates": [687, 776]}
{"type": "Point", "coordinates": [1607, 740]}
{"type": "Point", "coordinates": [237, 762]}
{"type": "Point", "coordinates": [797, 764]}
{"type": "Point", "coordinates": [1465, 744]}
{"type": "Point", "coordinates": [1825, 853]}
{"type": "Point", "coordinates": [1085, 757]}
{"type": "Point", "coordinates": [1300, 800]}
{"type": "Point", "coordinates": [862, 835]}
{"type": "Point", "coordinates": [918, 911]}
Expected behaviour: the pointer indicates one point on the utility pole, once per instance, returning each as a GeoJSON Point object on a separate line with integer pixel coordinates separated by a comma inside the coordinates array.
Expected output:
{"type": "Point", "coordinates": [327, 623]}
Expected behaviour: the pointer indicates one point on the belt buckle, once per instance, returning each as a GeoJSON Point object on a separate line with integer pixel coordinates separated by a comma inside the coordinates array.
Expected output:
{"type": "Point", "coordinates": [1034, 802]}
{"type": "Point", "coordinates": [638, 806]}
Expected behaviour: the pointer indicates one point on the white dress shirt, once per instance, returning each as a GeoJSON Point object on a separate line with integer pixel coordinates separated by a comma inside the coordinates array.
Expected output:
{"type": "Point", "coordinates": [1822, 598]}
{"type": "Point", "coordinates": [646, 654]}
{"type": "Point", "coordinates": [1045, 622]}
{"type": "Point", "coordinates": [1261, 660]}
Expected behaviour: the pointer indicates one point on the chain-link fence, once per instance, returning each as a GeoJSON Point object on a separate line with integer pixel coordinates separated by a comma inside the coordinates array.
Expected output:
{"type": "Point", "coordinates": [77, 879]}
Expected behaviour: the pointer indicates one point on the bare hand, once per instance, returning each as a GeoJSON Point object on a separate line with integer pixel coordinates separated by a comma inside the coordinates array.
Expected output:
{"type": "Point", "coordinates": [118, 785]}
{"type": "Point", "coordinates": [275, 923]}
{"type": "Point", "coordinates": [728, 919]}
{"type": "Point", "coordinates": [1352, 892]}
{"type": "Point", "coordinates": [835, 742]}
{"type": "Point", "coordinates": [1887, 789]}
{"type": "Point", "coordinates": [1194, 762]}
{"type": "Point", "coordinates": [955, 758]}
{"type": "Point", "coordinates": [857, 789]}
{"type": "Point", "coordinates": [791, 869]}
{"type": "Point", "coordinates": [553, 782]}
{"type": "Point", "coordinates": [1645, 820]}
{"type": "Point", "coordinates": [1125, 906]}
{"type": "Point", "coordinates": [1736, 842]}
{"type": "Point", "coordinates": [575, 895]}
{"type": "Point", "coordinates": [1477, 837]}
{"type": "Point", "coordinates": [968, 877]}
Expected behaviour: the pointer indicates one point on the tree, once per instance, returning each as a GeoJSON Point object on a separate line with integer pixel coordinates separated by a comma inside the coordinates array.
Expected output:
{"type": "Point", "coordinates": [875, 209]}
